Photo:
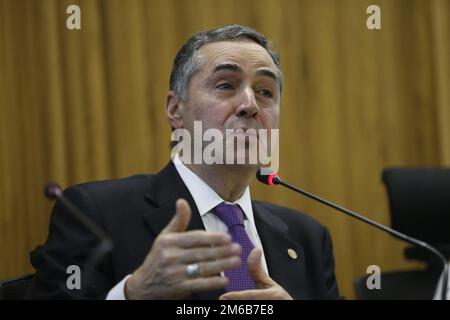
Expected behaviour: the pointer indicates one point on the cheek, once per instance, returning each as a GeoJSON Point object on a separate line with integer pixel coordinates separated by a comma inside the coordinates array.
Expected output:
{"type": "Point", "coordinates": [270, 118]}
{"type": "Point", "coordinates": [198, 109]}
{"type": "Point", "coordinates": [214, 114]}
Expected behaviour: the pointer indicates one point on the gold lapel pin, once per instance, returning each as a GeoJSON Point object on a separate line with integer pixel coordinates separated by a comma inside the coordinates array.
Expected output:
{"type": "Point", "coordinates": [292, 253]}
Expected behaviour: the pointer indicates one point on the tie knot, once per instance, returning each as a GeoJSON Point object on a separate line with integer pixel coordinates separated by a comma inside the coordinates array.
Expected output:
{"type": "Point", "coordinates": [230, 214]}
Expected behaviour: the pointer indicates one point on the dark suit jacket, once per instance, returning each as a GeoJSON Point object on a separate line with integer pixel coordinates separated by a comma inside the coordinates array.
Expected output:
{"type": "Point", "coordinates": [134, 210]}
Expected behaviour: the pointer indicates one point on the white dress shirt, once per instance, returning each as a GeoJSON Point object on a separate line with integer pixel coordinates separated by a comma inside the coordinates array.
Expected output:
{"type": "Point", "coordinates": [206, 199]}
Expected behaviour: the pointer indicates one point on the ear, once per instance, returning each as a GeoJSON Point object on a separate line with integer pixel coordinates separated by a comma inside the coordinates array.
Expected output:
{"type": "Point", "coordinates": [174, 110]}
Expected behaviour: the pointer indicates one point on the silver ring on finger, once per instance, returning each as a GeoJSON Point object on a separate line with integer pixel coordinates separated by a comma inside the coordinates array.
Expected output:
{"type": "Point", "coordinates": [192, 270]}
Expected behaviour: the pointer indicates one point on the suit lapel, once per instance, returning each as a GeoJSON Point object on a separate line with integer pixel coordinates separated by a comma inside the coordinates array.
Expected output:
{"type": "Point", "coordinates": [283, 269]}
{"type": "Point", "coordinates": [166, 187]}
{"type": "Point", "coordinates": [164, 190]}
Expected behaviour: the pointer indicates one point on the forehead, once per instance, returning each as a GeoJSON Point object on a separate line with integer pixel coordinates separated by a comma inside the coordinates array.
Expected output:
{"type": "Point", "coordinates": [243, 52]}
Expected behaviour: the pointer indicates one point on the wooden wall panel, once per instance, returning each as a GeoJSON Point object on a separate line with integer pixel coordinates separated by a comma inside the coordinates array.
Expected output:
{"type": "Point", "coordinates": [89, 104]}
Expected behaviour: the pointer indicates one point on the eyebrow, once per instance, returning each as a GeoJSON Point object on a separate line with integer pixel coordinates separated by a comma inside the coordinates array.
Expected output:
{"type": "Point", "coordinates": [268, 73]}
{"type": "Point", "coordinates": [236, 68]}
{"type": "Point", "coordinates": [227, 67]}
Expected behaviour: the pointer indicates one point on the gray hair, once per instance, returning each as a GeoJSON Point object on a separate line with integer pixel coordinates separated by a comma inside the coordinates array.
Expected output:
{"type": "Point", "coordinates": [187, 61]}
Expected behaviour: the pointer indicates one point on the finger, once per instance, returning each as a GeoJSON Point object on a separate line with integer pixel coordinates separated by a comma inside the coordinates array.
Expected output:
{"type": "Point", "coordinates": [206, 269]}
{"type": "Point", "coordinates": [209, 268]}
{"type": "Point", "coordinates": [261, 278]}
{"type": "Point", "coordinates": [209, 254]}
{"type": "Point", "coordinates": [200, 238]}
{"type": "Point", "coordinates": [204, 284]}
{"type": "Point", "coordinates": [181, 218]}
{"type": "Point", "coordinates": [245, 295]}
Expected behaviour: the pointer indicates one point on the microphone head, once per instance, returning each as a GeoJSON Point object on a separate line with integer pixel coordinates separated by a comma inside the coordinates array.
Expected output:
{"type": "Point", "coordinates": [52, 190]}
{"type": "Point", "coordinates": [270, 178]}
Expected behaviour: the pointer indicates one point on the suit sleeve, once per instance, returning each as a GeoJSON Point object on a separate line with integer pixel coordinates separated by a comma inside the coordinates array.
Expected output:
{"type": "Point", "coordinates": [331, 286]}
{"type": "Point", "coordinates": [70, 244]}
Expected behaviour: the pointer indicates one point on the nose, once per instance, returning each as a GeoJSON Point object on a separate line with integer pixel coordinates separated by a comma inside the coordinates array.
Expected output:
{"type": "Point", "coordinates": [248, 108]}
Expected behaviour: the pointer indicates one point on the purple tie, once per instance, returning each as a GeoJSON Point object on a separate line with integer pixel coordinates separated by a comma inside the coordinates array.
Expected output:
{"type": "Point", "coordinates": [232, 215]}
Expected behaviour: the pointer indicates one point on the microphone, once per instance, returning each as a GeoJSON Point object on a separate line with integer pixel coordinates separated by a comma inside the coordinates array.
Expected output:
{"type": "Point", "coordinates": [53, 191]}
{"type": "Point", "coordinates": [272, 179]}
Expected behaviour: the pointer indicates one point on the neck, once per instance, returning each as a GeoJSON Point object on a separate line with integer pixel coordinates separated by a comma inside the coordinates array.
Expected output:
{"type": "Point", "coordinates": [228, 181]}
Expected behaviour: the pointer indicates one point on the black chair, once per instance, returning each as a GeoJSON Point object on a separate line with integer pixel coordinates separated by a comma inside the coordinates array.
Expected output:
{"type": "Point", "coordinates": [419, 201]}
{"type": "Point", "coordinates": [15, 289]}
{"type": "Point", "coordinates": [402, 285]}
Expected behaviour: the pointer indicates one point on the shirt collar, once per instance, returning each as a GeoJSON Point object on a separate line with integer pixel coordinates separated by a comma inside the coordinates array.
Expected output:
{"type": "Point", "coordinates": [204, 196]}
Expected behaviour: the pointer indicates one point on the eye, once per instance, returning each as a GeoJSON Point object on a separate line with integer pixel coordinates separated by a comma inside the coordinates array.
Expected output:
{"type": "Point", "coordinates": [224, 86]}
{"type": "Point", "coordinates": [266, 93]}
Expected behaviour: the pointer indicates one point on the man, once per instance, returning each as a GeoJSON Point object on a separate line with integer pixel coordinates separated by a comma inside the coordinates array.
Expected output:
{"type": "Point", "coordinates": [192, 230]}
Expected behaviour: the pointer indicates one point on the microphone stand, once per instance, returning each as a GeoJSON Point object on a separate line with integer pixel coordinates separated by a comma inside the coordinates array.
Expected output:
{"type": "Point", "coordinates": [53, 191]}
{"type": "Point", "coordinates": [273, 179]}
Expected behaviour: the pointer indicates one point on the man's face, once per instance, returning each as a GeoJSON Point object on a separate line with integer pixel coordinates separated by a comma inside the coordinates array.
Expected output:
{"type": "Point", "coordinates": [234, 89]}
{"type": "Point", "coordinates": [237, 88]}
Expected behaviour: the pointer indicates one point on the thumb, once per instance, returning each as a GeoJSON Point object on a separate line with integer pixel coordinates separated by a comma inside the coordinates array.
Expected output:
{"type": "Point", "coordinates": [181, 218]}
{"type": "Point", "coordinates": [262, 280]}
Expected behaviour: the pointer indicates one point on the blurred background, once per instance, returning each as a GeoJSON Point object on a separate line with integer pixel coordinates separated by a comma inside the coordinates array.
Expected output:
{"type": "Point", "coordinates": [80, 105]}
